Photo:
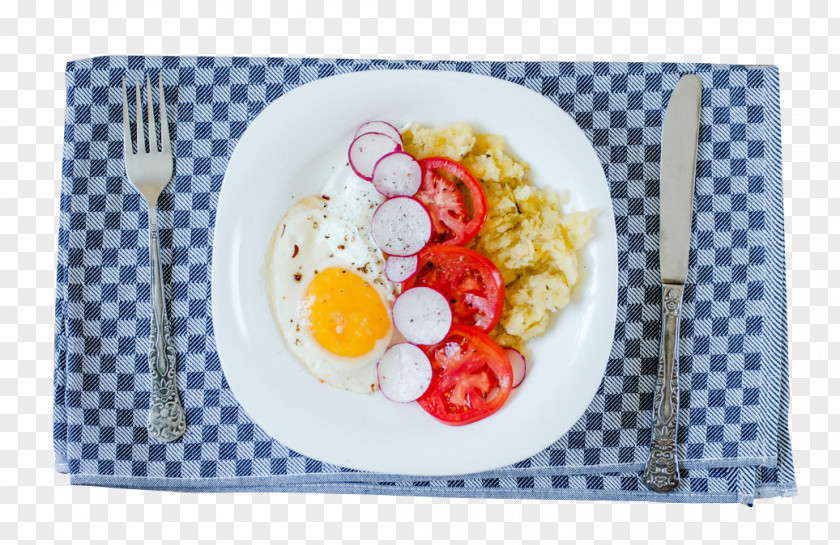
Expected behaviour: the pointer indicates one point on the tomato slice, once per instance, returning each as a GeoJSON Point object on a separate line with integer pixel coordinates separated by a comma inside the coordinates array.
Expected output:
{"type": "Point", "coordinates": [471, 377]}
{"type": "Point", "coordinates": [451, 223]}
{"type": "Point", "coordinates": [470, 282]}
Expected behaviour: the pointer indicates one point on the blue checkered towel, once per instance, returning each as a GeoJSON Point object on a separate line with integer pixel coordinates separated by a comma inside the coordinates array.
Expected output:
{"type": "Point", "coordinates": [733, 432]}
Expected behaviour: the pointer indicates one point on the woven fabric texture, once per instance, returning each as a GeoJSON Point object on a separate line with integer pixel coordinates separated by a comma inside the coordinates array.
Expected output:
{"type": "Point", "coordinates": [733, 431]}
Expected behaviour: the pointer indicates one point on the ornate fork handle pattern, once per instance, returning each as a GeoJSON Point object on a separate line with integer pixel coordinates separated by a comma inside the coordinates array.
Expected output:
{"type": "Point", "coordinates": [661, 471]}
{"type": "Point", "coordinates": [167, 420]}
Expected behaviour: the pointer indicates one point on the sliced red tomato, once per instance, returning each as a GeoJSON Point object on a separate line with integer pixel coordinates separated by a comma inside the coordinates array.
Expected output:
{"type": "Point", "coordinates": [439, 192]}
{"type": "Point", "coordinates": [470, 282]}
{"type": "Point", "coordinates": [471, 377]}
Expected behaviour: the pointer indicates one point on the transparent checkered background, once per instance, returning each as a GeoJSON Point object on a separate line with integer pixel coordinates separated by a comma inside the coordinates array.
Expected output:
{"type": "Point", "coordinates": [37, 39]}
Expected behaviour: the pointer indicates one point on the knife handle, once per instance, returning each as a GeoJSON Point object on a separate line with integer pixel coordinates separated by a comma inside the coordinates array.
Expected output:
{"type": "Point", "coordinates": [661, 471]}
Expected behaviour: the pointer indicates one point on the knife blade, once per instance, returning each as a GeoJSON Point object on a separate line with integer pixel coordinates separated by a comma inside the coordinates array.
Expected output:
{"type": "Point", "coordinates": [676, 177]}
{"type": "Point", "coordinates": [676, 193]}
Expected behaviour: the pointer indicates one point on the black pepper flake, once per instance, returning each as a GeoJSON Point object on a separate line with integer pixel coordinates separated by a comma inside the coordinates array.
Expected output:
{"type": "Point", "coordinates": [298, 277]}
{"type": "Point", "coordinates": [283, 232]}
{"type": "Point", "coordinates": [519, 210]}
{"type": "Point", "coordinates": [295, 252]}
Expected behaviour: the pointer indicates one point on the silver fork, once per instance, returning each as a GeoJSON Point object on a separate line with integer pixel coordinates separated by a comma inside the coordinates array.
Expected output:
{"type": "Point", "coordinates": [149, 172]}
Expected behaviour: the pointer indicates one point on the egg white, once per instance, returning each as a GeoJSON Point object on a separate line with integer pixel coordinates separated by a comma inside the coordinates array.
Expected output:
{"type": "Point", "coordinates": [318, 233]}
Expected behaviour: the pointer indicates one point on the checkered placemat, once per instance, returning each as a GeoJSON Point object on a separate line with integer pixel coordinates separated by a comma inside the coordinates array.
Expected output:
{"type": "Point", "coordinates": [733, 434]}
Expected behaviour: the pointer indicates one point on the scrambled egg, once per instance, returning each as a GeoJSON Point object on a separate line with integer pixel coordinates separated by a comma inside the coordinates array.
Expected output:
{"type": "Point", "coordinates": [527, 235]}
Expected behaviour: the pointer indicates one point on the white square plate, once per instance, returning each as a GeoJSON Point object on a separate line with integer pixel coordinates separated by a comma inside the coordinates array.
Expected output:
{"type": "Point", "coordinates": [286, 154]}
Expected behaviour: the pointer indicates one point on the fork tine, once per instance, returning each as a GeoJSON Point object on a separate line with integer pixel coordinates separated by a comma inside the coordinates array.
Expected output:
{"type": "Point", "coordinates": [153, 146]}
{"type": "Point", "coordinates": [126, 126]}
{"type": "Point", "coordinates": [164, 123]}
{"type": "Point", "coordinates": [141, 140]}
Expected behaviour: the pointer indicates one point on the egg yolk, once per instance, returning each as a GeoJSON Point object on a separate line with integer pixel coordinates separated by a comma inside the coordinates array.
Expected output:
{"type": "Point", "coordinates": [346, 314]}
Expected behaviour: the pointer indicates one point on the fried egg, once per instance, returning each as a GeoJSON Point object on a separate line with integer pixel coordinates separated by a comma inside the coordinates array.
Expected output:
{"type": "Point", "coordinates": [330, 297]}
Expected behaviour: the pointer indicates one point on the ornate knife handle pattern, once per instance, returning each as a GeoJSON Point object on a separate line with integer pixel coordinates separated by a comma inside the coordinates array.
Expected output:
{"type": "Point", "coordinates": [167, 420]}
{"type": "Point", "coordinates": [661, 471]}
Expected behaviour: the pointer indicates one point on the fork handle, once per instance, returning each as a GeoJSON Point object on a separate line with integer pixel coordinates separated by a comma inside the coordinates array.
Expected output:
{"type": "Point", "coordinates": [661, 471]}
{"type": "Point", "coordinates": [167, 420]}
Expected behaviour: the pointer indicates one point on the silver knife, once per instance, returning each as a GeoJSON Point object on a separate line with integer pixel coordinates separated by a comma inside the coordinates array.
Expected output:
{"type": "Point", "coordinates": [676, 193]}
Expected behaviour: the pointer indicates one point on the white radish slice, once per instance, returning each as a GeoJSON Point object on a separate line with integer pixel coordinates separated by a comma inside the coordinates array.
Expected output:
{"type": "Point", "coordinates": [517, 363]}
{"type": "Point", "coordinates": [404, 373]}
{"type": "Point", "coordinates": [381, 127]}
{"type": "Point", "coordinates": [400, 269]}
{"type": "Point", "coordinates": [397, 174]}
{"type": "Point", "coordinates": [367, 149]}
{"type": "Point", "coordinates": [422, 315]}
{"type": "Point", "coordinates": [401, 226]}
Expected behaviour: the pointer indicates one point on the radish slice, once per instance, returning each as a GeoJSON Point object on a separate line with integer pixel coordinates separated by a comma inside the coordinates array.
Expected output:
{"type": "Point", "coordinates": [367, 149]}
{"type": "Point", "coordinates": [381, 127]}
{"type": "Point", "coordinates": [401, 226]}
{"type": "Point", "coordinates": [400, 269]}
{"type": "Point", "coordinates": [397, 174]}
{"type": "Point", "coordinates": [517, 363]}
{"type": "Point", "coordinates": [422, 315]}
{"type": "Point", "coordinates": [404, 373]}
